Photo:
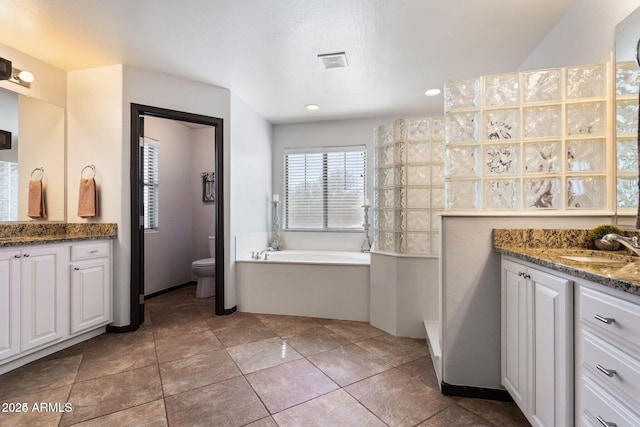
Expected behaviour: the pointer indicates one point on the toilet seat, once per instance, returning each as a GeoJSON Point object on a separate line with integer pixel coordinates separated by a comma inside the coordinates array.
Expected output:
{"type": "Point", "coordinates": [206, 262]}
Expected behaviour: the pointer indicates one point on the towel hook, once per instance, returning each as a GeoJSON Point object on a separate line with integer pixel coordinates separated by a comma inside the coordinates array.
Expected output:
{"type": "Point", "coordinates": [41, 170]}
{"type": "Point", "coordinates": [92, 167]}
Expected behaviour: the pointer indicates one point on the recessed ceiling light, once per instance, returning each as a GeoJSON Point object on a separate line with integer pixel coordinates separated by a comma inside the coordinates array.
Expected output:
{"type": "Point", "coordinates": [311, 107]}
{"type": "Point", "coordinates": [432, 92]}
{"type": "Point", "coordinates": [334, 60]}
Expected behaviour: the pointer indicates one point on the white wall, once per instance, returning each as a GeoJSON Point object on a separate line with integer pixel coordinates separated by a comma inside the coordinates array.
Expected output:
{"type": "Point", "coordinates": [203, 215]}
{"type": "Point", "coordinates": [585, 35]}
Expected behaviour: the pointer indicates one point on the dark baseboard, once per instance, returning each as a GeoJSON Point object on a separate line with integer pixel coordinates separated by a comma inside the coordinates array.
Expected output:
{"type": "Point", "coordinates": [120, 329]}
{"type": "Point", "coordinates": [164, 291]}
{"type": "Point", "coordinates": [475, 392]}
{"type": "Point", "coordinates": [228, 311]}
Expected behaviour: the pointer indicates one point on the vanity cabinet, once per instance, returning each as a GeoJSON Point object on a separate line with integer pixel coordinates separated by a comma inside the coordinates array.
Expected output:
{"type": "Point", "coordinates": [9, 303]}
{"type": "Point", "coordinates": [537, 342]}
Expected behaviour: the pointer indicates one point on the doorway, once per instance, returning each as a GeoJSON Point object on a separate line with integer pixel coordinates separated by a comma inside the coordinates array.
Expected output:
{"type": "Point", "coordinates": [138, 113]}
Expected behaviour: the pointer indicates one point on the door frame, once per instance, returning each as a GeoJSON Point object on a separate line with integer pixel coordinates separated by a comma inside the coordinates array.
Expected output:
{"type": "Point", "coordinates": [137, 225]}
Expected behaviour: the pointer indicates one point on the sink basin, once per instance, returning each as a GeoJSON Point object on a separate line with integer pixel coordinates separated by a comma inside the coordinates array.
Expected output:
{"type": "Point", "coordinates": [596, 259]}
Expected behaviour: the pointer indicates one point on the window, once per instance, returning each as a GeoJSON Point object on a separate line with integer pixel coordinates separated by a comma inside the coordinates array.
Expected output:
{"type": "Point", "coordinates": [324, 188]}
{"type": "Point", "coordinates": [9, 195]}
{"type": "Point", "coordinates": [150, 162]}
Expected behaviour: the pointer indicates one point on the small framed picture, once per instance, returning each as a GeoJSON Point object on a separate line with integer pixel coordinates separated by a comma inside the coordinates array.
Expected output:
{"type": "Point", "coordinates": [5, 140]}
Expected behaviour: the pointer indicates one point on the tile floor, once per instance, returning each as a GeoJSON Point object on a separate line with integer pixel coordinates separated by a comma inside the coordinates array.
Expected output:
{"type": "Point", "coordinates": [187, 367]}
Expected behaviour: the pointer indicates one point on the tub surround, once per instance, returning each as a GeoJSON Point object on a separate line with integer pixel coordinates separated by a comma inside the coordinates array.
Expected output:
{"type": "Point", "coordinates": [546, 247]}
{"type": "Point", "coordinates": [35, 234]}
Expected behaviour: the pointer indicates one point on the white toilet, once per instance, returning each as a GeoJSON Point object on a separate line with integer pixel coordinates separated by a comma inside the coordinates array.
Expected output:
{"type": "Point", "coordinates": [205, 271]}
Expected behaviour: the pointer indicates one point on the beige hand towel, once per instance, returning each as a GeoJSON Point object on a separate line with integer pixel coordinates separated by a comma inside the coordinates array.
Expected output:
{"type": "Point", "coordinates": [88, 199]}
{"type": "Point", "coordinates": [35, 208]}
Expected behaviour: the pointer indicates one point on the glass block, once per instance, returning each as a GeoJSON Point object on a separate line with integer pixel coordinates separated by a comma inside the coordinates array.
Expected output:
{"type": "Point", "coordinates": [627, 155]}
{"type": "Point", "coordinates": [462, 195]}
{"type": "Point", "coordinates": [586, 192]}
{"type": "Point", "coordinates": [437, 152]}
{"type": "Point", "coordinates": [400, 223]}
{"type": "Point", "coordinates": [418, 175]}
{"type": "Point", "coordinates": [399, 176]}
{"type": "Point", "coordinates": [400, 198]}
{"type": "Point", "coordinates": [542, 85]}
{"type": "Point", "coordinates": [627, 78]}
{"type": "Point", "coordinates": [437, 174]}
{"type": "Point", "coordinates": [437, 197]}
{"type": "Point", "coordinates": [385, 219]}
{"type": "Point", "coordinates": [462, 127]}
{"type": "Point", "coordinates": [586, 155]}
{"type": "Point", "coordinates": [435, 243]}
{"type": "Point", "coordinates": [385, 134]}
{"type": "Point", "coordinates": [400, 242]}
{"type": "Point", "coordinates": [542, 121]}
{"type": "Point", "coordinates": [386, 198]}
{"type": "Point", "coordinates": [400, 152]}
{"type": "Point", "coordinates": [385, 177]}
{"type": "Point", "coordinates": [462, 93]}
{"type": "Point", "coordinates": [399, 130]}
{"type": "Point", "coordinates": [627, 192]}
{"type": "Point", "coordinates": [502, 90]}
{"type": "Point", "coordinates": [586, 119]}
{"type": "Point", "coordinates": [418, 198]}
{"type": "Point", "coordinates": [627, 116]}
{"type": "Point", "coordinates": [418, 130]}
{"type": "Point", "coordinates": [502, 124]}
{"type": "Point", "coordinates": [586, 82]}
{"type": "Point", "coordinates": [418, 243]}
{"type": "Point", "coordinates": [418, 220]}
{"type": "Point", "coordinates": [385, 155]}
{"type": "Point", "coordinates": [437, 125]}
{"type": "Point", "coordinates": [418, 152]}
{"type": "Point", "coordinates": [542, 157]}
{"type": "Point", "coordinates": [462, 161]}
{"type": "Point", "coordinates": [386, 242]}
{"type": "Point", "coordinates": [435, 219]}
{"type": "Point", "coordinates": [502, 194]}
{"type": "Point", "coordinates": [501, 159]}
{"type": "Point", "coordinates": [542, 193]}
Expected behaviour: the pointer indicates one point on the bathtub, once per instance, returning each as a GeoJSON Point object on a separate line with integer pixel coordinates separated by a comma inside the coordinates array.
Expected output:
{"type": "Point", "coordinates": [326, 284]}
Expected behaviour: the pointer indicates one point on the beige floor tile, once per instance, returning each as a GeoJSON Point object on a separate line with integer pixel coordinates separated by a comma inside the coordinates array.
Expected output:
{"type": "Point", "coordinates": [120, 359]}
{"type": "Point", "coordinates": [316, 340]}
{"type": "Point", "coordinates": [398, 399]}
{"type": "Point", "coordinates": [150, 414]}
{"type": "Point", "coordinates": [456, 416]}
{"type": "Point", "coordinates": [423, 370]}
{"type": "Point", "coordinates": [498, 413]}
{"type": "Point", "coordinates": [227, 403]}
{"type": "Point", "coordinates": [39, 375]}
{"type": "Point", "coordinates": [334, 409]}
{"type": "Point", "coordinates": [289, 384]}
{"type": "Point", "coordinates": [179, 327]}
{"type": "Point", "coordinates": [24, 413]}
{"type": "Point", "coordinates": [287, 325]}
{"type": "Point", "coordinates": [346, 365]}
{"type": "Point", "coordinates": [185, 345]}
{"type": "Point", "coordinates": [222, 322]}
{"type": "Point", "coordinates": [197, 371]}
{"type": "Point", "coordinates": [263, 354]}
{"type": "Point", "coordinates": [354, 331]}
{"type": "Point", "coordinates": [243, 331]}
{"type": "Point", "coordinates": [265, 422]}
{"type": "Point", "coordinates": [395, 350]}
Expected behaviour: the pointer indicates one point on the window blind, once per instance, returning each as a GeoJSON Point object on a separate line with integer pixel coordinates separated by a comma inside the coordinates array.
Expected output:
{"type": "Point", "coordinates": [150, 163]}
{"type": "Point", "coordinates": [324, 188]}
{"type": "Point", "coordinates": [9, 195]}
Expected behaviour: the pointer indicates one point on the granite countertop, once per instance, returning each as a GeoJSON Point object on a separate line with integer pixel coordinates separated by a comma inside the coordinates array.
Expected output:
{"type": "Point", "coordinates": [34, 234]}
{"type": "Point", "coordinates": [623, 274]}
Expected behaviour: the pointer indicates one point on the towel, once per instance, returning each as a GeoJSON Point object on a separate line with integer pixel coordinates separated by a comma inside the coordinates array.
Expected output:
{"type": "Point", "coordinates": [88, 199]}
{"type": "Point", "coordinates": [35, 208]}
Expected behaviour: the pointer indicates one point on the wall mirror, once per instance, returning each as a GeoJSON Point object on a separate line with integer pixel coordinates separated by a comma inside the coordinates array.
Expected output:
{"type": "Point", "coordinates": [37, 151]}
{"type": "Point", "coordinates": [627, 82]}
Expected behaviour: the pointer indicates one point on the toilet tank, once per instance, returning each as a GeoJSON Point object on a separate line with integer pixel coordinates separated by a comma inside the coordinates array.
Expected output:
{"type": "Point", "coordinates": [212, 246]}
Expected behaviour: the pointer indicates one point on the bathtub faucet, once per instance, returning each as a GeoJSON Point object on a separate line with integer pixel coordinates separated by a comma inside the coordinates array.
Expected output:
{"type": "Point", "coordinates": [258, 254]}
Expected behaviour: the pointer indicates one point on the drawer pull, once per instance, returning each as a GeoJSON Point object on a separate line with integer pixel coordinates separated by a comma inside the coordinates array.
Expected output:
{"type": "Point", "coordinates": [607, 372]}
{"type": "Point", "coordinates": [607, 320]}
{"type": "Point", "coordinates": [26, 255]}
{"type": "Point", "coordinates": [606, 423]}
{"type": "Point", "coordinates": [16, 256]}
{"type": "Point", "coordinates": [95, 251]}
{"type": "Point", "coordinates": [78, 268]}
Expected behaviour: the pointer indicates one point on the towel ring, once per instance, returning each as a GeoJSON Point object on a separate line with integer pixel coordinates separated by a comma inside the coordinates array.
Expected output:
{"type": "Point", "coordinates": [92, 167]}
{"type": "Point", "coordinates": [41, 170]}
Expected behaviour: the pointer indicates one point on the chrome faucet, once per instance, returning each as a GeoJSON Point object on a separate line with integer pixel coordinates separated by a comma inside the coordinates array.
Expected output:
{"type": "Point", "coordinates": [258, 254]}
{"type": "Point", "coordinates": [629, 243]}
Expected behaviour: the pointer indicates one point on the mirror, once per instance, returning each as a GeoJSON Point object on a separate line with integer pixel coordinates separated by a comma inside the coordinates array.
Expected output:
{"type": "Point", "coordinates": [37, 141]}
{"type": "Point", "coordinates": [627, 77]}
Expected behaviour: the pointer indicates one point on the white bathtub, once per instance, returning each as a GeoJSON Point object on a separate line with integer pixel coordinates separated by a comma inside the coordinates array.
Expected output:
{"type": "Point", "coordinates": [325, 284]}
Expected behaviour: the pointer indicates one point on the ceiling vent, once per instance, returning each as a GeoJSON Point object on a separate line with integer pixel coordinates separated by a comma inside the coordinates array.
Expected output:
{"type": "Point", "coordinates": [334, 60]}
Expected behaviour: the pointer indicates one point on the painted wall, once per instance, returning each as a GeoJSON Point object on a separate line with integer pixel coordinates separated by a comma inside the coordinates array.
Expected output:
{"type": "Point", "coordinates": [203, 215]}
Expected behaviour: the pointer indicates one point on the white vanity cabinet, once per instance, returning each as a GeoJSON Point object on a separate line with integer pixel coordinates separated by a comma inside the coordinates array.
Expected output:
{"type": "Point", "coordinates": [537, 342]}
{"type": "Point", "coordinates": [9, 303]}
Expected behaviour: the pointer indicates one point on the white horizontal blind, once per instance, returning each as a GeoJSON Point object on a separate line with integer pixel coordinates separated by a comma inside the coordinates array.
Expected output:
{"type": "Point", "coordinates": [324, 188]}
{"type": "Point", "coordinates": [9, 194]}
{"type": "Point", "coordinates": [150, 163]}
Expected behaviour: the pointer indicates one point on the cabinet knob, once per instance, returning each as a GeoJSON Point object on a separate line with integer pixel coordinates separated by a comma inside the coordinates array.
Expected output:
{"type": "Point", "coordinates": [607, 320]}
{"type": "Point", "coordinates": [26, 255]}
{"type": "Point", "coordinates": [16, 256]}
{"type": "Point", "coordinates": [94, 251]}
{"type": "Point", "coordinates": [607, 372]}
{"type": "Point", "coordinates": [520, 273]}
{"type": "Point", "coordinates": [605, 423]}
{"type": "Point", "coordinates": [76, 268]}
{"type": "Point", "coordinates": [526, 276]}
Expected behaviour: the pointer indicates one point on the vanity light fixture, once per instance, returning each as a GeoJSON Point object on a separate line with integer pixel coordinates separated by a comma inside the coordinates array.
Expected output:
{"type": "Point", "coordinates": [5, 69]}
{"type": "Point", "coordinates": [311, 107]}
{"type": "Point", "coordinates": [22, 77]}
{"type": "Point", "coordinates": [432, 92]}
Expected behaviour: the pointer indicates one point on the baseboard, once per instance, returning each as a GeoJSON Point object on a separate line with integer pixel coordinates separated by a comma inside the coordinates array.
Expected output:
{"type": "Point", "coordinates": [228, 311]}
{"type": "Point", "coordinates": [475, 392]}
{"type": "Point", "coordinates": [120, 329]}
{"type": "Point", "coordinates": [164, 291]}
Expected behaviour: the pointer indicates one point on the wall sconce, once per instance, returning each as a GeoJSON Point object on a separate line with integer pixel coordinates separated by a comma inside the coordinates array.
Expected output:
{"type": "Point", "coordinates": [21, 77]}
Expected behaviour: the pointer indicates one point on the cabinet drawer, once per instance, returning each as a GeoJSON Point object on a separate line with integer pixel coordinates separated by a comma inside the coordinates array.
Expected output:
{"type": "Point", "coordinates": [600, 405]}
{"type": "Point", "coordinates": [603, 359]}
{"type": "Point", "coordinates": [89, 251]}
{"type": "Point", "coordinates": [618, 317]}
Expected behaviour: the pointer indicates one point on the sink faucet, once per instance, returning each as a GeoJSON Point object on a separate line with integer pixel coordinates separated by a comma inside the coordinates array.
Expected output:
{"type": "Point", "coordinates": [629, 243]}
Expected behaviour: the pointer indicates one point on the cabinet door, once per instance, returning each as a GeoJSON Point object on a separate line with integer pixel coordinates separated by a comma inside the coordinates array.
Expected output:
{"type": "Point", "coordinates": [90, 294]}
{"type": "Point", "coordinates": [514, 337]}
{"type": "Point", "coordinates": [45, 285]}
{"type": "Point", "coordinates": [552, 395]}
{"type": "Point", "coordinates": [9, 303]}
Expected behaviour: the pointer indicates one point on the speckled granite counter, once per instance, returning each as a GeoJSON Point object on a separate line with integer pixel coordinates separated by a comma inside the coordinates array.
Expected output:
{"type": "Point", "coordinates": [547, 248]}
{"type": "Point", "coordinates": [34, 234]}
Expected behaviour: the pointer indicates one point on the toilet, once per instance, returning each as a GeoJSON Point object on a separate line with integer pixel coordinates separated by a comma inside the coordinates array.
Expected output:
{"type": "Point", "coordinates": [205, 271]}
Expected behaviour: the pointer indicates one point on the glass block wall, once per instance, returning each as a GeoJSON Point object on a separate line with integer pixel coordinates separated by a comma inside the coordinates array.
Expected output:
{"type": "Point", "coordinates": [409, 186]}
{"type": "Point", "coordinates": [532, 140]}
{"type": "Point", "coordinates": [627, 82]}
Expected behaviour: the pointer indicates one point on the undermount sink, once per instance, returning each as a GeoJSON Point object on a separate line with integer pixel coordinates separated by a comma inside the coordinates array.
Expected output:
{"type": "Point", "coordinates": [596, 259]}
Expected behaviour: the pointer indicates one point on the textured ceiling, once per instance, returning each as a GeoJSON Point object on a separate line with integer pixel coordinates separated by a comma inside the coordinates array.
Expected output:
{"type": "Point", "coordinates": [266, 51]}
